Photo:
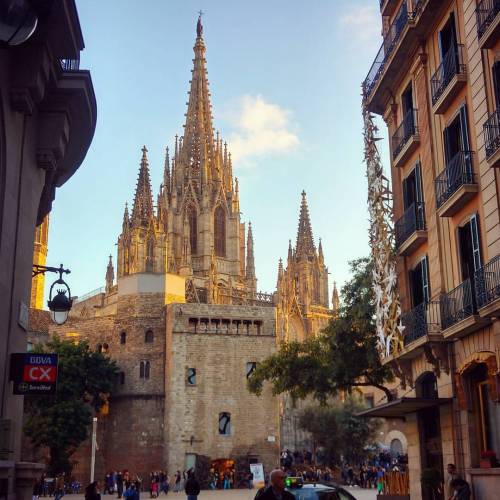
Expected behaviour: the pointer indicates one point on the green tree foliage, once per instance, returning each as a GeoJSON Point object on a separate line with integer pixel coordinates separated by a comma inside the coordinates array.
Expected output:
{"type": "Point", "coordinates": [343, 356]}
{"type": "Point", "coordinates": [61, 422]}
{"type": "Point", "coordinates": [338, 430]}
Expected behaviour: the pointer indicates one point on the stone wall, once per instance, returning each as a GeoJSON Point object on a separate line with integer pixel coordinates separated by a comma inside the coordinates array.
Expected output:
{"type": "Point", "coordinates": [219, 351]}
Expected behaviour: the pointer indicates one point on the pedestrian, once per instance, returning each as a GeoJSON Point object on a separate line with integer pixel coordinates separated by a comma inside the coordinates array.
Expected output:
{"type": "Point", "coordinates": [59, 487]}
{"type": "Point", "coordinates": [380, 480]}
{"type": "Point", "coordinates": [451, 474]}
{"type": "Point", "coordinates": [461, 489]}
{"type": "Point", "coordinates": [192, 487]}
{"type": "Point", "coordinates": [119, 484]}
{"type": "Point", "coordinates": [177, 482]}
{"type": "Point", "coordinates": [37, 489]}
{"type": "Point", "coordinates": [276, 490]}
{"type": "Point", "coordinates": [92, 491]}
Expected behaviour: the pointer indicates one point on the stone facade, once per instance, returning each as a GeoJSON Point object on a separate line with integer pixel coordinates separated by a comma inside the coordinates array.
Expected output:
{"type": "Point", "coordinates": [47, 121]}
{"type": "Point", "coordinates": [443, 123]}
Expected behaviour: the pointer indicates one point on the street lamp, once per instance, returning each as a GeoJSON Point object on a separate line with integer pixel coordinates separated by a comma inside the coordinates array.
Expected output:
{"type": "Point", "coordinates": [18, 21]}
{"type": "Point", "coordinates": [61, 303]}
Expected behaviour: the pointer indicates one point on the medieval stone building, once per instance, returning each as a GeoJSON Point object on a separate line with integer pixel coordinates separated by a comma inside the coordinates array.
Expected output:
{"type": "Point", "coordinates": [183, 321]}
{"type": "Point", "coordinates": [302, 311]}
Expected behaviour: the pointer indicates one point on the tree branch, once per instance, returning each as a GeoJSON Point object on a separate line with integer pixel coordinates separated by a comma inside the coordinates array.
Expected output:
{"type": "Point", "coordinates": [387, 392]}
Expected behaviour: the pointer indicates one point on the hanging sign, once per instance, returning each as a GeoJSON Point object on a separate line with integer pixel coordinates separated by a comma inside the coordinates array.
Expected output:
{"type": "Point", "coordinates": [33, 373]}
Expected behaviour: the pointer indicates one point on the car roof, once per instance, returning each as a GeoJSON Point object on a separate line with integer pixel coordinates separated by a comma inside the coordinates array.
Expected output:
{"type": "Point", "coordinates": [315, 486]}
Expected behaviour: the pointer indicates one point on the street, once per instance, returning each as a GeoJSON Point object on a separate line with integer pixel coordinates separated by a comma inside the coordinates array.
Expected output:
{"type": "Point", "coordinates": [360, 494]}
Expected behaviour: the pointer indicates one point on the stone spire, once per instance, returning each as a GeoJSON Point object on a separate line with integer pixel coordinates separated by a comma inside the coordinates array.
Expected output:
{"type": "Point", "coordinates": [126, 219]}
{"type": "Point", "coordinates": [250, 269]}
{"type": "Point", "coordinates": [197, 151]}
{"type": "Point", "coordinates": [143, 202]}
{"type": "Point", "coordinates": [167, 183]}
{"type": "Point", "coordinates": [305, 244]}
{"type": "Point", "coordinates": [335, 300]}
{"type": "Point", "coordinates": [110, 275]}
{"type": "Point", "coordinates": [321, 257]}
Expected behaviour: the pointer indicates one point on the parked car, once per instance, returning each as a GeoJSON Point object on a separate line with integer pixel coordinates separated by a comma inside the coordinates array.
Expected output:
{"type": "Point", "coordinates": [316, 491]}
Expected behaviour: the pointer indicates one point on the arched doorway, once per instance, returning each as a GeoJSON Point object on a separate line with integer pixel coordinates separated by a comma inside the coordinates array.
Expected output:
{"type": "Point", "coordinates": [429, 424]}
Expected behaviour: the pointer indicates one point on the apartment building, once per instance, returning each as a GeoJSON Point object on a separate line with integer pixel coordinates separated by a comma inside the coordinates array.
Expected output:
{"type": "Point", "coordinates": [436, 83]}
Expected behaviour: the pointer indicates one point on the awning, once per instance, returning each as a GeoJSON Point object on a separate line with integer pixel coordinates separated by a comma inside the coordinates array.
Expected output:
{"type": "Point", "coordinates": [399, 408]}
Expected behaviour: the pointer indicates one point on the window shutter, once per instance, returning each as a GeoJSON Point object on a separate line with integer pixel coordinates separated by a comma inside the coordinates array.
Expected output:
{"type": "Point", "coordinates": [446, 139]}
{"type": "Point", "coordinates": [464, 136]}
{"type": "Point", "coordinates": [425, 279]}
{"type": "Point", "coordinates": [476, 247]}
{"type": "Point", "coordinates": [496, 82]}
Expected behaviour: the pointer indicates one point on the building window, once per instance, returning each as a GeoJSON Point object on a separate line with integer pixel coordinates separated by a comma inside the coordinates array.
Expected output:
{"type": "Point", "coordinates": [29, 347]}
{"type": "Point", "coordinates": [225, 423]}
{"type": "Point", "coordinates": [144, 369]}
{"type": "Point", "coordinates": [193, 229]}
{"type": "Point", "coordinates": [419, 282]}
{"type": "Point", "coordinates": [486, 411]}
{"type": "Point", "coordinates": [150, 256]}
{"type": "Point", "coordinates": [457, 153]}
{"type": "Point", "coordinates": [123, 338]}
{"type": "Point", "coordinates": [426, 386]}
{"type": "Point", "coordinates": [191, 376]}
{"type": "Point", "coordinates": [220, 232]}
{"type": "Point", "coordinates": [105, 348]}
{"type": "Point", "coordinates": [98, 348]}
{"type": "Point", "coordinates": [122, 378]}
{"type": "Point", "coordinates": [369, 400]}
{"type": "Point", "coordinates": [469, 247]}
{"type": "Point", "coordinates": [149, 337]}
{"type": "Point", "coordinates": [251, 366]}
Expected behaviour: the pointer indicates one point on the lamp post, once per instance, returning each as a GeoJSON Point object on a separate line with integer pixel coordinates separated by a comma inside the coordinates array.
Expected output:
{"type": "Point", "coordinates": [60, 304]}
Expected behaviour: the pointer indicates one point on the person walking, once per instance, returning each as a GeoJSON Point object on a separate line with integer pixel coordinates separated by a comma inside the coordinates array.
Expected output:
{"type": "Point", "coordinates": [276, 490]}
{"type": "Point", "coordinates": [119, 484]}
{"type": "Point", "coordinates": [192, 487]}
{"type": "Point", "coordinates": [59, 491]}
{"type": "Point", "coordinates": [37, 489]}
{"type": "Point", "coordinates": [92, 491]}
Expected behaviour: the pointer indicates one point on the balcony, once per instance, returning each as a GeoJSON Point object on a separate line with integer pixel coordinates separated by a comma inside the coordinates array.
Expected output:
{"type": "Point", "coordinates": [491, 131]}
{"type": "Point", "coordinates": [455, 185]}
{"type": "Point", "coordinates": [459, 312]}
{"type": "Point", "coordinates": [421, 324]}
{"type": "Point", "coordinates": [406, 138]}
{"type": "Point", "coordinates": [390, 58]}
{"type": "Point", "coordinates": [487, 285]}
{"type": "Point", "coordinates": [448, 79]}
{"type": "Point", "coordinates": [488, 22]}
{"type": "Point", "coordinates": [410, 231]}
{"type": "Point", "coordinates": [387, 7]}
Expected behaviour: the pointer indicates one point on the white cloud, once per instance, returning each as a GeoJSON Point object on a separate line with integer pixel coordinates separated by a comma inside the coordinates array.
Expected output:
{"type": "Point", "coordinates": [362, 24]}
{"type": "Point", "coordinates": [259, 128]}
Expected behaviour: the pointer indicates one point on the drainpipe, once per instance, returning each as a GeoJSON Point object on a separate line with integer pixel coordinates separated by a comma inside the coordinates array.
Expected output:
{"type": "Point", "coordinates": [458, 454]}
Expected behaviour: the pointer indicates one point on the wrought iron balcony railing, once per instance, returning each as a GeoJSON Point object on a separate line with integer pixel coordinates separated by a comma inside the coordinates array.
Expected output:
{"type": "Point", "coordinates": [404, 132]}
{"type": "Point", "coordinates": [486, 11]}
{"type": "Point", "coordinates": [487, 282]}
{"type": "Point", "coordinates": [390, 40]}
{"type": "Point", "coordinates": [70, 64]}
{"type": "Point", "coordinates": [413, 219]}
{"type": "Point", "coordinates": [458, 304]}
{"type": "Point", "coordinates": [457, 173]}
{"type": "Point", "coordinates": [451, 65]}
{"type": "Point", "coordinates": [491, 130]}
{"type": "Point", "coordinates": [420, 321]}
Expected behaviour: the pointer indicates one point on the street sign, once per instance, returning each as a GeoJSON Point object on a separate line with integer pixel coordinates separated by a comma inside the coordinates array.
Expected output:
{"type": "Point", "coordinates": [33, 373]}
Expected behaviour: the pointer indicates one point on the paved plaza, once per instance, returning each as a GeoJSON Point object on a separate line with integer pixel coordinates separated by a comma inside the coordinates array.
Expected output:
{"type": "Point", "coordinates": [229, 495]}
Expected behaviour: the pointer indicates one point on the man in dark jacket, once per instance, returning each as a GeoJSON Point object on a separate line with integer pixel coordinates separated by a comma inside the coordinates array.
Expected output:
{"type": "Point", "coordinates": [276, 490]}
{"type": "Point", "coordinates": [192, 487]}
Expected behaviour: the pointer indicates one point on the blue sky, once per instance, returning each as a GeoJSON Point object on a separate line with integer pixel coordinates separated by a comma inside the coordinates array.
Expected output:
{"type": "Point", "coordinates": [285, 80]}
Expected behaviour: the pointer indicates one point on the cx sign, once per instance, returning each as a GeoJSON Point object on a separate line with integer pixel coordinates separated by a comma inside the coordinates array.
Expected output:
{"type": "Point", "coordinates": [34, 373]}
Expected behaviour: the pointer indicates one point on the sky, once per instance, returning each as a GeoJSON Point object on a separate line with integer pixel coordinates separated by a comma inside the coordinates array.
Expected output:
{"type": "Point", "coordinates": [285, 80]}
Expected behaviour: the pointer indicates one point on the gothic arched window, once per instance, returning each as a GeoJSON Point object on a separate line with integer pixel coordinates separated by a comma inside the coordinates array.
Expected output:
{"type": "Point", "coordinates": [193, 229]}
{"type": "Point", "coordinates": [149, 337]}
{"type": "Point", "coordinates": [150, 256]}
{"type": "Point", "coordinates": [225, 423]}
{"type": "Point", "coordinates": [220, 232]}
{"type": "Point", "coordinates": [123, 337]}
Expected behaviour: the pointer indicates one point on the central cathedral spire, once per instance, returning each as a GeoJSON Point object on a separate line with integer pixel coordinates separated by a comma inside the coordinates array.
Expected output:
{"type": "Point", "coordinates": [305, 243]}
{"type": "Point", "coordinates": [197, 153]}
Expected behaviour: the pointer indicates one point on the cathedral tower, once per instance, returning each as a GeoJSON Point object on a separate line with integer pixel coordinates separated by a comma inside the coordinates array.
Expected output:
{"type": "Point", "coordinates": [302, 288]}
{"type": "Point", "coordinates": [196, 229]}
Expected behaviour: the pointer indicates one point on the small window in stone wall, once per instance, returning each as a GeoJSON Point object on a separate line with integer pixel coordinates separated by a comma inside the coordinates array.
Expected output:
{"type": "Point", "coordinates": [251, 366]}
{"type": "Point", "coordinates": [149, 337]}
{"type": "Point", "coordinates": [225, 423]}
{"type": "Point", "coordinates": [105, 348]}
{"type": "Point", "coordinates": [191, 376]}
{"type": "Point", "coordinates": [122, 378]}
{"type": "Point", "coordinates": [98, 348]}
{"type": "Point", "coordinates": [123, 337]}
{"type": "Point", "coordinates": [144, 369]}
